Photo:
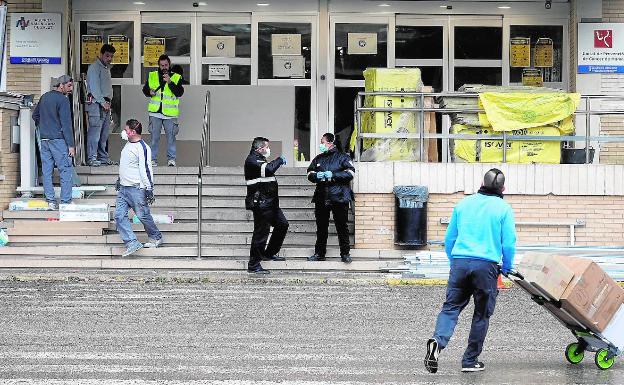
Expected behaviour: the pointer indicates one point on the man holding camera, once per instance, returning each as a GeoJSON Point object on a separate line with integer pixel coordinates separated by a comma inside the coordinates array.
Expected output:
{"type": "Point", "coordinates": [164, 88]}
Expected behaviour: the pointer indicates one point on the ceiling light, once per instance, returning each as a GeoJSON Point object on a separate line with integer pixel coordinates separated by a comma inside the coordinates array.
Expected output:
{"type": "Point", "coordinates": [383, 5]}
{"type": "Point", "coordinates": [262, 4]}
{"type": "Point", "coordinates": [139, 3]}
{"type": "Point", "coordinates": [202, 3]}
{"type": "Point", "coordinates": [443, 6]}
{"type": "Point", "coordinates": [504, 7]}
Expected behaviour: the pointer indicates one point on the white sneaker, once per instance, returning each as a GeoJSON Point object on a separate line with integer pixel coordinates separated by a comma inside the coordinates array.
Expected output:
{"type": "Point", "coordinates": [171, 163]}
{"type": "Point", "coordinates": [151, 243]}
{"type": "Point", "coordinates": [154, 163]}
{"type": "Point", "coordinates": [53, 206]}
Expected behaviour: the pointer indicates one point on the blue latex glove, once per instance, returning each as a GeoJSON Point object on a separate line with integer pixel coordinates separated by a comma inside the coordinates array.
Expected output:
{"type": "Point", "coordinates": [283, 158]}
{"type": "Point", "coordinates": [320, 175]}
{"type": "Point", "coordinates": [328, 175]}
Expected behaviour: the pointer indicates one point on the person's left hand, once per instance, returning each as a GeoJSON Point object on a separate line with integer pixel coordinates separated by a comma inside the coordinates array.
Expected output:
{"type": "Point", "coordinates": [328, 175]}
{"type": "Point", "coordinates": [72, 151]}
{"type": "Point", "coordinates": [166, 77]}
{"type": "Point", "coordinates": [283, 160]}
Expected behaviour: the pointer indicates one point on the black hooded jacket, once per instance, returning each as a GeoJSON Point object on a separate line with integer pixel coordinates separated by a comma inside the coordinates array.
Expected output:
{"type": "Point", "coordinates": [261, 183]}
{"type": "Point", "coordinates": [338, 189]}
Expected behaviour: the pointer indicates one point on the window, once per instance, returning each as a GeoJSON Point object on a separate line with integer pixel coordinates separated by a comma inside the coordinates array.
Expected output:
{"type": "Point", "coordinates": [352, 66]}
{"type": "Point", "coordinates": [535, 32]}
{"type": "Point", "coordinates": [177, 44]}
{"type": "Point", "coordinates": [104, 29]}
{"type": "Point", "coordinates": [234, 65]}
{"type": "Point", "coordinates": [291, 58]}
{"type": "Point", "coordinates": [419, 42]}
{"type": "Point", "coordinates": [485, 43]}
{"type": "Point", "coordinates": [477, 75]}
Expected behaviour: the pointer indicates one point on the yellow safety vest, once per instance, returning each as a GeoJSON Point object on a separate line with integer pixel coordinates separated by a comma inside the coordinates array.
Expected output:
{"type": "Point", "coordinates": [164, 95]}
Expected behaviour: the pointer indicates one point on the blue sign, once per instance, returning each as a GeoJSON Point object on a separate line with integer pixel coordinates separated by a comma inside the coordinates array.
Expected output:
{"type": "Point", "coordinates": [35, 60]}
{"type": "Point", "coordinates": [600, 69]}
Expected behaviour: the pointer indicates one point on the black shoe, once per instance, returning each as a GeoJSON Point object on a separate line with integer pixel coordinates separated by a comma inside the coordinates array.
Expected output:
{"type": "Point", "coordinates": [476, 367]}
{"type": "Point", "coordinates": [346, 258]}
{"type": "Point", "coordinates": [258, 270]}
{"type": "Point", "coordinates": [274, 258]}
{"type": "Point", "coordinates": [431, 359]}
{"type": "Point", "coordinates": [316, 257]}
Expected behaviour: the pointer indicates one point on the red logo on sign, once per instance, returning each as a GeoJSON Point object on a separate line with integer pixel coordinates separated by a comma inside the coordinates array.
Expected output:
{"type": "Point", "coordinates": [603, 38]}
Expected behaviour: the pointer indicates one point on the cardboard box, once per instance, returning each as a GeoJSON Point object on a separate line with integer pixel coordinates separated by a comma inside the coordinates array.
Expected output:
{"type": "Point", "coordinates": [546, 271]}
{"type": "Point", "coordinates": [97, 212]}
{"type": "Point", "coordinates": [614, 332]}
{"type": "Point", "coordinates": [584, 289]}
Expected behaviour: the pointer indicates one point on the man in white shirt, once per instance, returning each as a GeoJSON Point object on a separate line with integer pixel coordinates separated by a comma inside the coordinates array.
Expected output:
{"type": "Point", "coordinates": [135, 189]}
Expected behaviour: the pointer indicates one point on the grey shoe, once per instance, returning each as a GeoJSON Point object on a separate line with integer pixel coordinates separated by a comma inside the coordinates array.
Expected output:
{"type": "Point", "coordinates": [109, 162]}
{"type": "Point", "coordinates": [132, 248]}
{"type": "Point", "coordinates": [153, 243]}
{"type": "Point", "coordinates": [53, 206]}
{"type": "Point", "coordinates": [154, 163]}
{"type": "Point", "coordinates": [94, 163]}
{"type": "Point", "coordinates": [171, 163]}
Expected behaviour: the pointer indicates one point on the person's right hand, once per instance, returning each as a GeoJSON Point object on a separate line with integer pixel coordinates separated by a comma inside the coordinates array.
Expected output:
{"type": "Point", "coordinates": [320, 175]}
{"type": "Point", "coordinates": [72, 151]}
{"type": "Point", "coordinates": [152, 92]}
{"type": "Point", "coordinates": [106, 106]}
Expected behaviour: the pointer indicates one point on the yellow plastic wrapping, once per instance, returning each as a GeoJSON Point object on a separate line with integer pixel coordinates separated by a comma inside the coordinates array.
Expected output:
{"type": "Point", "coordinates": [391, 80]}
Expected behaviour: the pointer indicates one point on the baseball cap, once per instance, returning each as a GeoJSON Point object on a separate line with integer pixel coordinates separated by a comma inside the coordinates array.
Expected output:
{"type": "Point", "coordinates": [63, 79]}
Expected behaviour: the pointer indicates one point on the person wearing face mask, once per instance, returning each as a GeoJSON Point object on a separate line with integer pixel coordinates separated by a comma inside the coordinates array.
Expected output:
{"type": "Point", "coordinates": [98, 107]}
{"type": "Point", "coordinates": [332, 171]}
{"type": "Point", "coordinates": [164, 88]}
{"type": "Point", "coordinates": [135, 187]}
{"type": "Point", "coordinates": [52, 117]}
{"type": "Point", "coordinates": [263, 200]}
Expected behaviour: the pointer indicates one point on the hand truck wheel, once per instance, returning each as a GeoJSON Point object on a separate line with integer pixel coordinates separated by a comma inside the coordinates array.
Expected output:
{"type": "Point", "coordinates": [573, 354]}
{"type": "Point", "coordinates": [603, 359]}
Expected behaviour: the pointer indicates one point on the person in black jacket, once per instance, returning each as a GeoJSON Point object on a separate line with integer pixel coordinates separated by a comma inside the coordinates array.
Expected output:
{"type": "Point", "coordinates": [332, 171]}
{"type": "Point", "coordinates": [262, 199]}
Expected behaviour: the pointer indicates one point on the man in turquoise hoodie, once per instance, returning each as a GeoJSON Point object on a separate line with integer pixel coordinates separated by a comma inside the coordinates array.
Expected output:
{"type": "Point", "coordinates": [480, 235]}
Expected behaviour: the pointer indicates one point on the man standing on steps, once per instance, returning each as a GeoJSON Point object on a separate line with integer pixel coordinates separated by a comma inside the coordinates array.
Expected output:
{"type": "Point", "coordinates": [164, 88]}
{"type": "Point", "coordinates": [332, 171]}
{"type": "Point", "coordinates": [135, 188]}
{"type": "Point", "coordinates": [52, 117]}
{"type": "Point", "coordinates": [480, 234]}
{"type": "Point", "coordinates": [263, 200]}
{"type": "Point", "coordinates": [98, 107]}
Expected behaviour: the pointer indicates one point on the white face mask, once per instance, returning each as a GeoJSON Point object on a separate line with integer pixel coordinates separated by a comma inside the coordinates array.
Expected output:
{"type": "Point", "coordinates": [124, 135]}
{"type": "Point", "coordinates": [267, 153]}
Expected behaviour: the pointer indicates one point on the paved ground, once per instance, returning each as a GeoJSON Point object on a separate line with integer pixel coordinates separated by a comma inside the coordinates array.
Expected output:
{"type": "Point", "coordinates": [148, 328]}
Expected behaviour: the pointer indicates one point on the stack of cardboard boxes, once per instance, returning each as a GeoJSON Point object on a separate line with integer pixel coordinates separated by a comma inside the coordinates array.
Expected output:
{"type": "Point", "coordinates": [583, 290]}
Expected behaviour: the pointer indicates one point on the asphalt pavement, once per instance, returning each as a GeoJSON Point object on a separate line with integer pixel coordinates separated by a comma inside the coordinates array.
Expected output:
{"type": "Point", "coordinates": [232, 329]}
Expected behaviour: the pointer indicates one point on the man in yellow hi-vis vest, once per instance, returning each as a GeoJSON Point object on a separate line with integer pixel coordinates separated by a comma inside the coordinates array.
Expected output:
{"type": "Point", "coordinates": [164, 88]}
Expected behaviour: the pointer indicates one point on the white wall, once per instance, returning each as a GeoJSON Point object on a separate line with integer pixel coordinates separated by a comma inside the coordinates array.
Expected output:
{"type": "Point", "coordinates": [56, 70]}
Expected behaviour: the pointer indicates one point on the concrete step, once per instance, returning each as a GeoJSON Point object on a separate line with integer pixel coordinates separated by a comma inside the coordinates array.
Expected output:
{"type": "Point", "coordinates": [161, 170]}
{"type": "Point", "coordinates": [187, 239]}
{"type": "Point", "coordinates": [88, 251]}
{"type": "Point", "coordinates": [185, 180]}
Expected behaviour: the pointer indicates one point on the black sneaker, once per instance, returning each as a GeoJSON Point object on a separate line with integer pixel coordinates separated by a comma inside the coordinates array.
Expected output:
{"type": "Point", "coordinates": [258, 270]}
{"type": "Point", "coordinates": [431, 359]}
{"type": "Point", "coordinates": [273, 258]}
{"type": "Point", "coordinates": [316, 257]}
{"type": "Point", "coordinates": [346, 258]}
{"type": "Point", "coordinates": [476, 367]}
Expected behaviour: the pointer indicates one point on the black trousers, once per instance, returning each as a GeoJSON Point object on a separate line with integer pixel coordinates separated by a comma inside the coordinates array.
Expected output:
{"type": "Point", "coordinates": [340, 212]}
{"type": "Point", "coordinates": [263, 220]}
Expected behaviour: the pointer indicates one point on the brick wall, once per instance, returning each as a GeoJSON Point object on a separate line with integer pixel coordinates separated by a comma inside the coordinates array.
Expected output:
{"type": "Point", "coordinates": [24, 79]}
{"type": "Point", "coordinates": [374, 219]}
{"type": "Point", "coordinates": [612, 153]}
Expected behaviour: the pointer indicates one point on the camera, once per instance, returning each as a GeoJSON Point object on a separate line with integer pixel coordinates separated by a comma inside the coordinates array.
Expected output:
{"type": "Point", "coordinates": [548, 4]}
{"type": "Point", "coordinates": [195, 5]}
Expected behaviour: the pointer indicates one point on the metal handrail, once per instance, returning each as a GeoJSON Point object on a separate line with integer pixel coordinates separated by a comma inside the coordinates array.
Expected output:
{"type": "Point", "coordinates": [421, 136]}
{"type": "Point", "coordinates": [200, 172]}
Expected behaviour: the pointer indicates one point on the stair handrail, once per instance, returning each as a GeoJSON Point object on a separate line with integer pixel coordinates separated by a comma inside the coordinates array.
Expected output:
{"type": "Point", "coordinates": [200, 172]}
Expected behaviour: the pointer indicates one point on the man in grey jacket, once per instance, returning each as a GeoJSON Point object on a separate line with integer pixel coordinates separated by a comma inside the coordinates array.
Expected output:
{"type": "Point", "coordinates": [98, 107]}
{"type": "Point", "coordinates": [53, 119]}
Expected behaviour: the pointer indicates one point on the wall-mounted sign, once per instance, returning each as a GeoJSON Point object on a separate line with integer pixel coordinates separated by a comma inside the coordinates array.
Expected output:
{"type": "Point", "coordinates": [122, 49]}
{"type": "Point", "coordinates": [288, 66]}
{"type": "Point", "coordinates": [362, 44]}
{"type": "Point", "coordinates": [153, 47]}
{"type": "Point", "coordinates": [543, 56]}
{"type": "Point", "coordinates": [90, 46]}
{"type": "Point", "coordinates": [520, 52]}
{"type": "Point", "coordinates": [286, 44]}
{"type": "Point", "coordinates": [218, 72]}
{"type": "Point", "coordinates": [221, 46]}
{"type": "Point", "coordinates": [532, 77]}
{"type": "Point", "coordinates": [35, 38]}
{"type": "Point", "coordinates": [600, 48]}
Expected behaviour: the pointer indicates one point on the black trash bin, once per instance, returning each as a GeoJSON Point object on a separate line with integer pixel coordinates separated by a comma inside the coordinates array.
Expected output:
{"type": "Point", "coordinates": [410, 215]}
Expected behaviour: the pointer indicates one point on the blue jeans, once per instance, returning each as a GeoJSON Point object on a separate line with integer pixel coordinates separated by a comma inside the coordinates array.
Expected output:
{"type": "Point", "coordinates": [97, 132]}
{"type": "Point", "coordinates": [468, 277]}
{"type": "Point", "coordinates": [54, 152]}
{"type": "Point", "coordinates": [171, 130]}
{"type": "Point", "coordinates": [133, 197]}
